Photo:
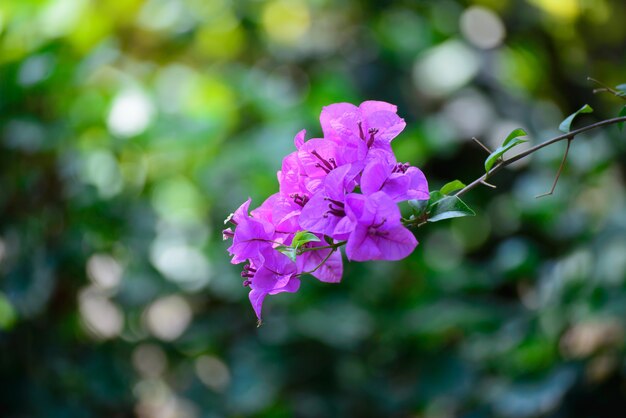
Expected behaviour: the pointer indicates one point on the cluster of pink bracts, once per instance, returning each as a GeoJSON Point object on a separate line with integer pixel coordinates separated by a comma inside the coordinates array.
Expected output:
{"type": "Point", "coordinates": [342, 189]}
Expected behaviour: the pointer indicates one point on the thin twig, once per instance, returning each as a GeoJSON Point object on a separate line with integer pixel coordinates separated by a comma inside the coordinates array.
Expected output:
{"type": "Point", "coordinates": [558, 173]}
{"type": "Point", "coordinates": [483, 146]}
{"type": "Point", "coordinates": [322, 262]}
{"type": "Point", "coordinates": [332, 246]}
{"type": "Point", "coordinates": [500, 165]}
{"type": "Point", "coordinates": [484, 183]}
{"type": "Point", "coordinates": [606, 88]}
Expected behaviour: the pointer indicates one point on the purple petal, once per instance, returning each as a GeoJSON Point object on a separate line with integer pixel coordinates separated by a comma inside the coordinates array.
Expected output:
{"type": "Point", "coordinates": [384, 208]}
{"type": "Point", "coordinates": [355, 208]}
{"type": "Point", "coordinates": [372, 106]}
{"type": "Point", "coordinates": [329, 272]}
{"type": "Point", "coordinates": [397, 187]}
{"type": "Point", "coordinates": [389, 125]}
{"type": "Point", "coordinates": [289, 178]}
{"type": "Point", "coordinates": [418, 188]}
{"type": "Point", "coordinates": [251, 237]}
{"type": "Point", "coordinates": [315, 157]}
{"type": "Point", "coordinates": [257, 296]}
{"type": "Point", "coordinates": [336, 183]}
{"type": "Point", "coordinates": [339, 119]}
{"type": "Point", "coordinates": [361, 247]}
{"type": "Point", "coordinates": [292, 286]}
{"type": "Point", "coordinates": [241, 214]}
{"type": "Point", "coordinates": [315, 216]}
{"type": "Point", "coordinates": [344, 228]}
{"type": "Point", "coordinates": [268, 280]}
{"type": "Point", "coordinates": [256, 300]}
{"type": "Point", "coordinates": [374, 176]}
{"type": "Point", "coordinates": [396, 243]}
{"type": "Point", "coordinates": [298, 140]}
{"type": "Point", "coordinates": [264, 211]}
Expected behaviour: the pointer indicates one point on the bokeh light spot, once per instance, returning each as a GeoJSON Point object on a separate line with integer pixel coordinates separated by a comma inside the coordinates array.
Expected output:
{"type": "Point", "coordinates": [445, 68]}
{"type": "Point", "coordinates": [104, 271]}
{"type": "Point", "coordinates": [180, 263]}
{"type": "Point", "coordinates": [149, 360]}
{"type": "Point", "coordinates": [482, 27]}
{"type": "Point", "coordinates": [101, 317]}
{"type": "Point", "coordinates": [130, 114]}
{"type": "Point", "coordinates": [286, 21]}
{"type": "Point", "coordinates": [564, 9]}
{"type": "Point", "coordinates": [213, 373]}
{"type": "Point", "coordinates": [100, 168]}
{"type": "Point", "coordinates": [167, 318]}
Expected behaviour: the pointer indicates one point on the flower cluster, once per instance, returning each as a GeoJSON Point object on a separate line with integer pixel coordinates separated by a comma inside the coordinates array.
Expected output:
{"type": "Point", "coordinates": [342, 189]}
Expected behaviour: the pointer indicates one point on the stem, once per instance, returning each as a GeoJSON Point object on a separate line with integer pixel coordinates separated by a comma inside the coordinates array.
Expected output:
{"type": "Point", "coordinates": [558, 173]}
{"type": "Point", "coordinates": [569, 136]}
{"type": "Point", "coordinates": [321, 263]}
{"type": "Point", "coordinates": [332, 247]}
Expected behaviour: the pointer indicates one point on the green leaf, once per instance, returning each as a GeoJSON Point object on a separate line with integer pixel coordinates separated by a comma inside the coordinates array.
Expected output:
{"type": "Point", "coordinates": [511, 141]}
{"type": "Point", "coordinates": [302, 237]}
{"type": "Point", "coordinates": [445, 207]}
{"type": "Point", "coordinates": [622, 112]}
{"type": "Point", "coordinates": [452, 186]}
{"type": "Point", "coordinates": [566, 125]}
{"type": "Point", "coordinates": [288, 251]}
{"type": "Point", "coordinates": [419, 206]}
{"type": "Point", "coordinates": [7, 313]}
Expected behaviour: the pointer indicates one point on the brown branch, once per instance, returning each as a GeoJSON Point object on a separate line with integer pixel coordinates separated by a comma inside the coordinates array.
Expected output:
{"type": "Point", "coordinates": [570, 135]}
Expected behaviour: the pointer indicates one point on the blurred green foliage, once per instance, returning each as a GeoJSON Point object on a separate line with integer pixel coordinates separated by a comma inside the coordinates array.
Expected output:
{"type": "Point", "coordinates": [130, 129]}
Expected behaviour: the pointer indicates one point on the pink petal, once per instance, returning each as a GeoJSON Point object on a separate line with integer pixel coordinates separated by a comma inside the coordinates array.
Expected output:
{"type": "Point", "coordinates": [389, 125]}
{"type": "Point", "coordinates": [339, 118]}
{"type": "Point", "coordinates": [329, 272]}
{"type": "Point", "coordinates": [374, 176]}
{"type": "Point", "coordinates": [397, 244]}
{"type": "Point", "coordinates": [344, 228]}
{"type": "Point", "coordinates": [360, 246]}
{"type": "Point", "coordinates": [419, 185]}
{"type": "Point", "coordinates": [312, 216]}
{"type": "Point", "coordinates": [372, 106]}
{"type": "Point", "coordinates": [384, 208]}
{"type": "Point", "coordinates": [298, 140]}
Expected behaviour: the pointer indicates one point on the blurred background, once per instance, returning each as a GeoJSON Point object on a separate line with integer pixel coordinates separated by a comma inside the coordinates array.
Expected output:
{"type": "Point", "coordinates": [130, 129]}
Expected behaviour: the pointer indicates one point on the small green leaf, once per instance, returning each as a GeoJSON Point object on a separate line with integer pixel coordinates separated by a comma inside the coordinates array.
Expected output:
{"type": "Point", "coordinates": [566, 125]}
{"type": "Point", "coordinates": [7, 313]}
{"type": "Point", "coordinates": [511, 141]}
{"type": "Point", "coordinates": [302, 237]}
{"type": "Point", "coordinates": [446, 207]}
{"type": "Point", "coordinates": [452, 186]}
{"type": "Point", "coordinates": [622, 112]}
{"type": "Point", "coordinates": [516, 133]}
{"type": "Point", "coordinates": [419, 206]}
{"type": "Point", "coordinates": [288, 251]}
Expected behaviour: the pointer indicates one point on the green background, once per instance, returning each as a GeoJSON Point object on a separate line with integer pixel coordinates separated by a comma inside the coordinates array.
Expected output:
{"type": "Point", "coordinates": [130, 129]}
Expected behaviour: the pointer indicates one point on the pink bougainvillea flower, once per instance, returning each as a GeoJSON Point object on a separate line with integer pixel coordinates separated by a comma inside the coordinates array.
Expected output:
{"type": "Point", "coordinates": [399, 181]}
{"type": "Point", "coordinates": [373, 229]}
{"type": "Point", "coordinates": [276, 274]}
{"type": "Point", "coordinates": [324, 210]}
{"type": "Point", "coordinates": [250, 237]}
{"type": "Point", "coordinates": [323, 265]}
{"type": "Point", "coordinates": [342, 187]}
{"type": "Point", "coordinates": [374, 123]}
{"type": "Point", "coordinates": [280, 211]}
